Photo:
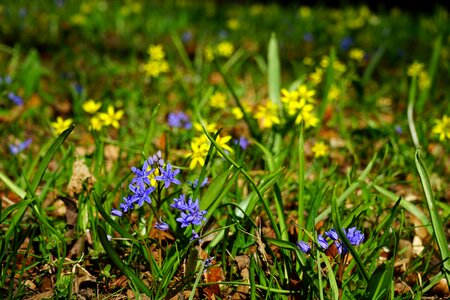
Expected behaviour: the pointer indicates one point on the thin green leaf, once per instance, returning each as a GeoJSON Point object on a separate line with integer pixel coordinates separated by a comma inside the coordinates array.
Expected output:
{"type": "Point", "coordinates": [274, 71]}
{"type": "Point", "coordinates": [349, 190]}
{"type": "Point", "coordinates": [119, 263]}
{"type": "Point", "coordinates": [338, 226]}
{"type": "Point", "coordinates": [436, 221]}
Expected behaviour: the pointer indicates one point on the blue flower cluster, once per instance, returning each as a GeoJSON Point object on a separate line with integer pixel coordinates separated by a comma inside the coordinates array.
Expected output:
{"type": "Point", "coordinates": [179, 120]}
{"type": "Point", "coordinates": [144, 183]}
{"type": "Point", "coordinates": [190, 211]}
{"type": "Point", "coordinates": [354, 236]}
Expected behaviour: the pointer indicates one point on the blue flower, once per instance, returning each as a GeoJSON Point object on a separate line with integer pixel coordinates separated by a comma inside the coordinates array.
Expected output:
{"type": "Point", "coordinates": [187, 36]}
{"type": "Point", "coordinates": [209, 261]}
{"type": "Point", "coordinates": [304, 246]}
{"type": "Point", "coordinates": [161, 225]}
{"type": "Point", "coordinates": [242, 142]}
{"type": "Point", "coordinates": [116, 212]}
{"type": "Point", "coordinates": [168, 176]}
{"type": "Point", "coordinates": [195, 236]}
{"type": "Point", "coordinates": [179, 120]}
{"type": "Point", "coordinates": [156, 159]}
{"type": "Point", "coordinates": [195, 183]}
{"type": "Point", "coordinates": [354, 236]}
{"type": "Point", "coordinates": [141, 176]}
{"type": "Point", "coordinates": [16, 99]}
{"type": "Point", "coordinates": [191, 218]}
{"type": "Point", "coordinates": [346, 43]}
{"type": "Point", "coordinates": [332, 234]}
{"type": "Point", "coordinates": [191, 215]}
{"type": "Point", "coordinates": [5, 80]}
{"type": "Point", "coordinates": [141, 195]}
{"type": "Point", "coordinates": [180, 203]}
{"type": "Point", "coordinates": [127, 204]}
{"type": "Point", "coordinates": [322, 242]}
{"type": "Point", "coordinates": [308, 37]}
{"type": "Point", "coordinates": [17, 148]}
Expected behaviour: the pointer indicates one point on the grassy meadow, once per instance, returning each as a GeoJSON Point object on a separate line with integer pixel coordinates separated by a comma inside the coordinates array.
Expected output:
{"type": "Point", "coordinates": [202, 150]}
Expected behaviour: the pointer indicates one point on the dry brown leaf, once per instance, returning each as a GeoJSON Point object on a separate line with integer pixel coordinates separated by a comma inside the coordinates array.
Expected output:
{"type": "Point", "coordinates": [243, 261]}
{"type": "Point", "coordinates": [401, 288]}
{"type": "Point", "coordinates": [213, 274]}
{"type": "Point", "coordinates": [80, 175]}
{"type": "Point", "coordinates": [417, 246]}
{"type": "Point", "coordinates": [441, 289]}
{"type": "Point", "coordinates": [41, 296]}
{"type": "Point", "coordinates": [111, 156]}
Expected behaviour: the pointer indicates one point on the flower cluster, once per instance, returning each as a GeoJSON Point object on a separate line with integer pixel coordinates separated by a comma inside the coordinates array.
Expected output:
{"type": "Point", "coordinates": [144, 183]}
{"type": "Point", "coordinates": [200, 146]}
{"type": "Point", "coordinates": [267, 115]}
{"type": "Point", "coordinates": [101, 119]}
{"type": "Point", "coordinates": [190, 211]}
{"type": "Point", "coordinates": [157, 63]}
{"type": "Point", "coordinates": [179, 120]}
{"type": "Point", "coordinates": [299, 103]}
{"type": "Point", "coordinates": [354, 236]}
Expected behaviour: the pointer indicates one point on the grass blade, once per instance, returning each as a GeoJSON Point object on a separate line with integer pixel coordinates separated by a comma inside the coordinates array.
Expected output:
{"type": "Point", "coordinates": [274, 71]}
{"type": "Point", "coordinates": [338, 226]}
{"type": "Point", "coordinates": [119, 263]}
{"type": "Point", "coordinates": [436, 221]}
{"type": "Point", "coordinates": [349, 190]}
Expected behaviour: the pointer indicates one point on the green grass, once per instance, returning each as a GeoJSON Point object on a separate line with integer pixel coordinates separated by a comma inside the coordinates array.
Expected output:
{"type": "Point", "coordinates": [290, 84]}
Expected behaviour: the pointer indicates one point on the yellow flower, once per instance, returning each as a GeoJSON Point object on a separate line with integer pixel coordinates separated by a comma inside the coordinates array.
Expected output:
{"type": "Point", "coordinates": [324, 61]}
{"type": "Point", "coordinates": [308, 61]}
{"type": "Point", "coordinates": [218, 100]}
{"type": "Point", "coordinates": [111, 117]}
{"type": "Point", "coordinates": [415, 69]}
{"type": "Point", "coordinates": [155, 67]}
{"type": "Point", "coordinates": [442, 128]}
{"type": "Point", "coordinates": [306, 115]}
{"type": "Point", "coordinates": [320, 149]}
{"type": "Point", "coordinates": [256, 9]}
{"type": "Point", "coordinates": [96, 123]}
{"type": "Point", "coordinates": [209, 127]}
{"type": "Point", "coordinates": [198, 154]}
{"type": "Point", "coordinates": [267, 115]}
{"type": "Point", "coordinates": [91, 106]}
{"type": "Point", "coordinates": [237, 112]}
{"type": "Point", "coordinates": [233, 24]}
{"type": "Point", "coordinates": [335, 93]}
{"type": "Point", "coordinates": [356, 54]}
{"type": "Point", "coordinates": [78, 19]}
{"type": "Point", "coordinates": [304, 11]}
{"type": "Point", "coordinates": [316, 76]}
{"type": "Point", "coordinates": [209, 53]}
{"type": "Point", "coordinates": [60, 125]}
{"type": "Point", "coordinates": [306, 94]}
{"type": "Point", "coordinates": [424, 80]}
{"type": "Point", "coordinates": [222, 142]}
{"type": "Point", "coordinates": [225, 49]}
{"type": "Point", "coordinates": [156, 52]}
{"type": "Point", "coordinates": [339, 67]}
{"type": "Point", "coordinates": [288, 96]}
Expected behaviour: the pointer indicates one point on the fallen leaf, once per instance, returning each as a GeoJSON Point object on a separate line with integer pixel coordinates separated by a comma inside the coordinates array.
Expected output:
{"type": "Point", "coordinates": [80, 176]}
{"type": "Point", "coordinates": [41, 296]}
